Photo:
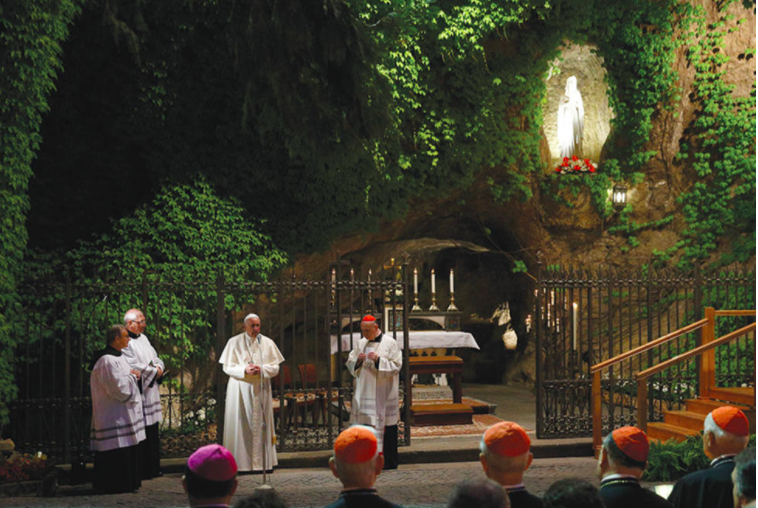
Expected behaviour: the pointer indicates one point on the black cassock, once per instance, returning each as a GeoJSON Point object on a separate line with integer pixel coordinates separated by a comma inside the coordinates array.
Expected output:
{"type": "Point", "coordinates": [361, 498]}
{"type": "Point", "coordinates": [628, 493]}
{"type": "Point", "coordinates": [709, 488]}
{"type": "Point", "coordinates": [520, 498]}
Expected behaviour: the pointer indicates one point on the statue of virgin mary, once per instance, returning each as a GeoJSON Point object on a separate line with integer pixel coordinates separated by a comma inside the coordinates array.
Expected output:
{"type": "Point", "coordinates": [570, 120]}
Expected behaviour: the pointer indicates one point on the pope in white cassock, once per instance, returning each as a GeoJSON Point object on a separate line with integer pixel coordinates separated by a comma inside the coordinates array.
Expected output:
{"type": "Point", "coordinates": [375, 362]}
{"type": "Point", "coordinates": [250, 360]}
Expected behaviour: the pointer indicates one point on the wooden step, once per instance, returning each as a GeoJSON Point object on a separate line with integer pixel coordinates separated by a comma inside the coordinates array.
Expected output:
{"type": "Point", "coordinates": [664, 431]}
{"type": "Point", "coordinates": [424, 415]}
{"type": "Point", "coordinates": [739, 395]}
{"type": "Point", "coordinates": [687, 419]}
{"type": "Point", "coordinates": [705, 406]}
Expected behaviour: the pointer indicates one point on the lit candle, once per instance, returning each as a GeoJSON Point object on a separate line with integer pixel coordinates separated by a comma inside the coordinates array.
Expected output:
{"type": "Point", "coordinates": [369, 274]}
{"type": "Point", "coordinates": [415, 280]}
{"type": "Point", "coordinates": [352, 274]}
{"type": "Point", "coordinates": [452, 283]}
{"type": "Point", "coordinates": [334, 275]}
{"type": "Point", "coordinates": [576, 307]}
{"type": "Point", "coordinates": [434, 287]}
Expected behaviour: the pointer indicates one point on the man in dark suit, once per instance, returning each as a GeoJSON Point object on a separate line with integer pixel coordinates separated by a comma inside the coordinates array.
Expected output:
{"type": "Point", "coordinates": [622, 460]}
{"type": "Point", "coordinates": [725, 434]}
{"type": "Point", "coordinates": [357, 462]}
{"type": "Point", "coordinates": [505, 457]}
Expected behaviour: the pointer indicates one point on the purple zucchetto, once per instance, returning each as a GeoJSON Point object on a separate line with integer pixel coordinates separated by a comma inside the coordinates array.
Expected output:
{"type": "Point", "coordinates": [213, 462]}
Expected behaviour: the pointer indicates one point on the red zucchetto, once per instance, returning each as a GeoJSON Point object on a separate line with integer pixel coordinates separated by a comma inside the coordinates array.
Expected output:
{"type": "Point", "coordinates": [355, 444]}
{"type": "Point", "coordinates": [508, 439]}
{"type": "Point", "coordinates": [368, 318]}
{"type": "Point", "coordinates": [731, 420]}
{"type": "Point", "coordinates": [632, 442]}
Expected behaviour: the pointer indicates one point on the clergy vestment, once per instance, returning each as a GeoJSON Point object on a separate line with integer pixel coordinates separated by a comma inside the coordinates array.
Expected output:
{"type": "Point", "coordinates": [248, 404]}
{"type": "Point", "coordinates": [142, 357]}
{"type": "Point", "coordinates": [625, 491]}
{"type": "Point", "coordinates": [118, 424]}
{"type": "Point", "coordinates": [709, 488]}
{"type": "Point", "coordinates": [375, 400]}
{"type": "Point", "coordinates": [361, 498]}
{"type": "Point", "coordinates": [520, 498]}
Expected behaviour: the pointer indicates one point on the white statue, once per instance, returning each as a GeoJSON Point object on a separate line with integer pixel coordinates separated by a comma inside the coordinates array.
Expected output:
{"type": "Point", "coordinates": [570, 120]}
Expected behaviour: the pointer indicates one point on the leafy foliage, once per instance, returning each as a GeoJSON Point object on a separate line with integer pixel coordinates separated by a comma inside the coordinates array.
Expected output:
{"type": "Point", "coordinates": [30, 47]}
{"type": "Point", "coordinates": [669, 461]}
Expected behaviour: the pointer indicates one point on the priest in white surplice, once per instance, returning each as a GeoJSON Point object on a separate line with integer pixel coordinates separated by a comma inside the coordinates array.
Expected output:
{"type": "Point", "coordinates": [375, 362]}
{"type": "Point", "coordinates": [250, 360]}
{"type": "Point", "coordinates": [142, 357]}
{"type": "Point", "coordinates": [118, 425]}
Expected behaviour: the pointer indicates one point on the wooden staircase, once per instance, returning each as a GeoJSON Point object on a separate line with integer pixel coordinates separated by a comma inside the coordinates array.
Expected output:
{"type": "Point", "coordinates": [678, 425]}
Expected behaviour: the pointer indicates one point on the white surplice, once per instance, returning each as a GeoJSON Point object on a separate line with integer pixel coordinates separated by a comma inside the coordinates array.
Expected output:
{"type": "Point", "coordinates": [246, 405]}
{"type": "Point", "coordinates": [375, 400]}
{"type": "Point", "coordinates": [117, 420]}
{"type": "Point", "coordinates": [142, 357]}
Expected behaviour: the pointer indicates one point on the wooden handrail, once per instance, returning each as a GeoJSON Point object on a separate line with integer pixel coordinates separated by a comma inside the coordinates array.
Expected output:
{"type": "Point", "coordinates": [642, 376]}
{"type": "Point", "coordinates": [707, 369]}
{"type": "Point", "coordinates": [641, 349]}
{"type": "Point", "coordinates": [694, 352]}
{"type": "Point", "coordinates": [735, 312]}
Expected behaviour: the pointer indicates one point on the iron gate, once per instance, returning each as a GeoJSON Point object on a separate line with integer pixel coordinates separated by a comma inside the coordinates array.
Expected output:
{"type": "Point", "coordinates": [61, 321]}
{"type": "Point", "coordinates": [585, 317]}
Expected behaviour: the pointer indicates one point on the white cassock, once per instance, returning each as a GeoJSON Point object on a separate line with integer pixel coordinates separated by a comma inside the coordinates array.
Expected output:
{"type": "Point", "coordinates": [246, 405]}
{"type": "Point", "coordinates": [117, 420]}
{"type": "Point", "coordinates": [142, 357]}
{"type": "Point", "coordinates": [375, 400]}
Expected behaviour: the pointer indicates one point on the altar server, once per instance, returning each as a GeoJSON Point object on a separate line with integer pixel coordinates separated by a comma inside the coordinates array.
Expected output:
{"type": "Point", "coordinates": [250, 360]}
{"type": "Point", "coordinates": [622, 460]}
{"type": "Point", "coordinates": [142, 357]}
{"type": "Point", "coordinates": [375, 362]}
{"type": "Point", "coordinates": [505, 457]}
{"type": "Point", "coordinates": [118, 424]}
{"type": "Point", "coordinates": [725, 434]}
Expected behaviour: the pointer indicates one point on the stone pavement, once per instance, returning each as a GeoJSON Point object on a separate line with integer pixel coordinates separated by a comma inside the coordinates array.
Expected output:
{"type": "Point", "coordinates": [412, 485]}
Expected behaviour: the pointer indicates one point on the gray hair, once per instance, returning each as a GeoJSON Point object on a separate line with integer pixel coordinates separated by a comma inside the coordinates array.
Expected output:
{"type": "Point", "coordinates": [720, 434]}
{"type": "Point", "coordinates": [132, 315]}
{"type": "Point", "coordinates": [504, 464]}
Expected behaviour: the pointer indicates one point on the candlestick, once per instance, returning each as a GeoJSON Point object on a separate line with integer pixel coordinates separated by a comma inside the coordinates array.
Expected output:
{"type": "Point", "coordinates": [452, 307]}
{"type": "Point", "coordinates": [452, 282]}
{"type": "Point", "coordinates": [434, 307]}
{"type": "Point", "coordinates": [416, 307]}
{"type": "Point", "coordinates": [576, 307]}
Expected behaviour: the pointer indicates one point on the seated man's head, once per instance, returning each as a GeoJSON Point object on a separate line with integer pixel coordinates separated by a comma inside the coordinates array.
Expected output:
{"type": "Point", "coordinates": [505, 454]}
{"type": "Point", "coordinates": [210, 476]}
{"type": "Point", "coordinates": [572, 493]}
{"type": "Point", "coordinates": [483, 493]}
{"type": "Point", "coordinates": [725, 432]}
{"type": "Point", "coordinates": [624, 451]}
{"type": "Point", "coordinates": [356, 460]}
{"type": "Point", "coordinates": [743, 478]}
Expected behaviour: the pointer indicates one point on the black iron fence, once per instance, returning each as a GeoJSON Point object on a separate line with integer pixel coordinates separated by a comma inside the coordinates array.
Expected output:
{"type": "Point", "coordinates": [587, 316]}
{"type": "Point", "coordinates": [61, 321]}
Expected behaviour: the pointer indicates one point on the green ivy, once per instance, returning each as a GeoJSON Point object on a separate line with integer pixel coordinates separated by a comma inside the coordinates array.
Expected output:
{"type": "Point", "coordinates": [719, 152]}
{"type": "Point", "coordinates": [30, 47]}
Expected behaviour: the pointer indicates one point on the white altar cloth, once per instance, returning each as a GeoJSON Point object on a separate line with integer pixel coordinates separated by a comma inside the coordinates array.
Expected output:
{"type": "Point", "coordinates": [418, 340]}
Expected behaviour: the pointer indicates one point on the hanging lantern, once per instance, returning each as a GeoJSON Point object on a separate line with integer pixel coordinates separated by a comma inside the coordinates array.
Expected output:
{"type": "Point", "coordinates": [619, 196]}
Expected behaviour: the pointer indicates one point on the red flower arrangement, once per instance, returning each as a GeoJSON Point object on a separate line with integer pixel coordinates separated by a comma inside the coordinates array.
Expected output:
{"type": "Point", "coordinates": [575, 165]}
{"type": "Point", "coordinates": [24, 467]}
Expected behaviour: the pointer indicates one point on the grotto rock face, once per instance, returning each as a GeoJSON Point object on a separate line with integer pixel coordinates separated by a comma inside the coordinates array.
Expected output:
{"type": "Point", "coordinates": [481, 238]}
